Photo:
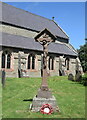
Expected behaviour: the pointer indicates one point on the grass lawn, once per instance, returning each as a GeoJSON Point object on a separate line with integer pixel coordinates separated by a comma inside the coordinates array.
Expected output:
{"type": "Point", "coordinates": [70, 97]}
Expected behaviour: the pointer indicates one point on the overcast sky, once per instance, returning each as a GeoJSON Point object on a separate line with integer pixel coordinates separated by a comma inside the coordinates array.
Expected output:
{"type": "Point", "coordinates": [70, 16]}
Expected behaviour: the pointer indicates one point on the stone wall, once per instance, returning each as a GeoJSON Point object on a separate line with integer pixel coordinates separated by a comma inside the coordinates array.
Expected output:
{"type": "Point", "coordinates": [13, 72]}
{"type": "Point", "coordinates": [72, 66]}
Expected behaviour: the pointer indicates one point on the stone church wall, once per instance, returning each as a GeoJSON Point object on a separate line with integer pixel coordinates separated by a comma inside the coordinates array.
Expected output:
{"type": "Point", "coordinates": [13, 72]}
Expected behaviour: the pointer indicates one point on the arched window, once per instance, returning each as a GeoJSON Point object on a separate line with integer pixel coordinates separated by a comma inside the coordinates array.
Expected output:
{"type": "Point", "coordinates": [67, 63]}
{"type": "Point", "coordinates": [31, 61]}
{"type": "Point", "coordinates": [3, 60]}
{"type": "Point", "coordinates": [51, 63]}
{"type": "Point", "coordinates": [8, 61]}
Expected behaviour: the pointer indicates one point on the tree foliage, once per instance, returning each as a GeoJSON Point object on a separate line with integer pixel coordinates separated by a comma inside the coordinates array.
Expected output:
{"type": "Point", "coordinates": [82, 54]}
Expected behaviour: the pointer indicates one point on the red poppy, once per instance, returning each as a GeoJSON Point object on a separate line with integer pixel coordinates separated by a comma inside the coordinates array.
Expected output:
{"type": "Point", "coordinates": [46, 109]}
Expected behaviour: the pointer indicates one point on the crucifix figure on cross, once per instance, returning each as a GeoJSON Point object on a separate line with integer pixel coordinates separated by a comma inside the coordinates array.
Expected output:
{"type": "Point", "coordinates": [44, 95]}
{"type": "Point", "coordinates": [45, 38]}
{"type": "Point", "coordinates": [44, 41]}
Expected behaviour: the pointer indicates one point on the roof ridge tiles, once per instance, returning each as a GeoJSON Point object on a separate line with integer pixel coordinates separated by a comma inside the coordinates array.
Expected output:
{"type": "Point", "coordinates": [61, 29]}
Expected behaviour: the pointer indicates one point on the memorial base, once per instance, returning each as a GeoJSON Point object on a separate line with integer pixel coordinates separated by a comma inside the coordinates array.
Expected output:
{"type": "Point", "coordinates": [44, 94]}
{"type": "Point", "coordinates": [38, 102]}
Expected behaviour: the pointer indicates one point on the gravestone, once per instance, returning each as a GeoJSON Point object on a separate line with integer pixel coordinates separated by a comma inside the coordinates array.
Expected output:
{"type": "Point", "coordinates": [3, 78]}
{"type": "Point", "coordinates": [78, 77]}
{"type": "Point", "coordinates": [22, 66]}
{"type": "Point", "coordinates": [44, 95]}
{"type": "Point", "coordinates": [63, 73]}
{"type": "Point", "coordinates": [71, 77]}
{"type": "Point", "coordinates": [19, 66]}
{"type": "Point", "coordinates": [60, 67]}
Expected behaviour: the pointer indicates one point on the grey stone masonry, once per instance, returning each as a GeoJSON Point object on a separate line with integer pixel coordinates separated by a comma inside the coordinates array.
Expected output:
{"type": "Point", "coordinates": [13, 72]}
{"type": "Point", "coordinates": [38, 102]}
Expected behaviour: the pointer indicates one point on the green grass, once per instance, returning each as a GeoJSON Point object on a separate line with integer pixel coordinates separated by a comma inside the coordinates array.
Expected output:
{"type": "Point", "coordinates": [70, 98]}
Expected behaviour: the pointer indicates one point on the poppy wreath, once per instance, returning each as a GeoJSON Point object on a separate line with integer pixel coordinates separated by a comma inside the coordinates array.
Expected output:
{"type": "Point", "coordinates": [46, 109]}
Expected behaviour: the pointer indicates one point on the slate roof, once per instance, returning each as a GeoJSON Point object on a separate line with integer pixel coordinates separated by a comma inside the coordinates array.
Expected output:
{"type": "Point", "coordinates": [28, 20]}
{"type": "Point", "coordinates": [16, 41]}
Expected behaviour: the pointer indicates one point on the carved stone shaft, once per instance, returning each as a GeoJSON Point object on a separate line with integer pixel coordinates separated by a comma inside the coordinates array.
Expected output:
{"type": "Point", "coordinates": [44, 85]}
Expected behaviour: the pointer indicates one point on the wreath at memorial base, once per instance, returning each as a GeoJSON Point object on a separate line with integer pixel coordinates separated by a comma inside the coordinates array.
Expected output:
{"type": "Point", "coordinates": [46, 109]}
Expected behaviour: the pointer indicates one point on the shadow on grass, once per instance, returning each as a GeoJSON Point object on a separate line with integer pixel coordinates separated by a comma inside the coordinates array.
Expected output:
{"type": "Point", "coordinates": [28, 100]}
{"type": "Point", "coordinates": [79, 83]}
{"type": "Point", "coordinates": [74, 83]}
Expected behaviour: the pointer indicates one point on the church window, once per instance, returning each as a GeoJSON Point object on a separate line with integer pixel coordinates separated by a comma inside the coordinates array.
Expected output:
{"type": "Point", "coordinates": [67, 63]}
{"type": "Point", "coordinates": [31, 61]}
{"type": "Point", "coordinates": [3, 60]}
{"type": "Point", "coordinates": [51, 63]}
{"type": "Point", "coordinates": [6, 60]}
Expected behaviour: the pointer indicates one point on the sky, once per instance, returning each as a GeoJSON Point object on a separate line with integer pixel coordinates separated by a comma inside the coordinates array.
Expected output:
{"type": "Point", "coordinates": [70, 16]}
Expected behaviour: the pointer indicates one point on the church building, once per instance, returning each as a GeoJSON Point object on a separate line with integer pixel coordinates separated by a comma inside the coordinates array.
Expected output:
{"type": "Point", "coordinates": [22, 56]}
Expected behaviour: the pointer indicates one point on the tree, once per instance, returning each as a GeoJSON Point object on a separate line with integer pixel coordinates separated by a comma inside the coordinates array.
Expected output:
{"type": "Point", "coordinates": [82, 54]}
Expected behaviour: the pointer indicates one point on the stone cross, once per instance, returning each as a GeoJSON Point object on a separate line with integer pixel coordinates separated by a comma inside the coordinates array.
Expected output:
{"type": "Point", "coordinates": [44, 43]}
{"type": "Point", "coordinates": [44, 38]}
{"type": "Point", "coordinates": [44, 95]}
